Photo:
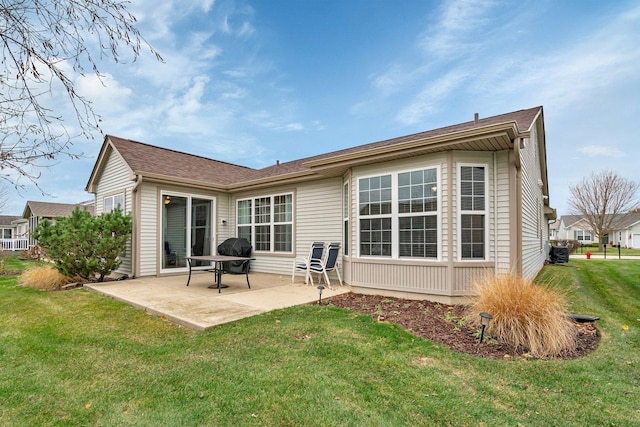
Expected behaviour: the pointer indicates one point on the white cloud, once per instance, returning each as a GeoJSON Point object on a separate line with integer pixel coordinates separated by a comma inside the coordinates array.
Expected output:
{"type": "Point", "coordinates": [431, 97]}
{"type": "Point", "coordinates": [104, 91]}
{"type": "Point", "coordinates": [458, 25]}
{"type": "Point", "coordinates": [294, 127]}
{"type": "Point", "coordinates": [571, 73]}
{"type": "Point", "coordinates": [601, 151]}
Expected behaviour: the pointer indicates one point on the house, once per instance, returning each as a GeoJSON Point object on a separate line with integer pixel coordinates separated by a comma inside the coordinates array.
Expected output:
{"type": "Point", "coordinates": [626, 230]}
{"type": "Point", "coordinates": [9, 240]}
{"type": "Point", "coordinates": [35, 212]}
{"type": "Point", "coordinates": [574, 227]}
{"type": "Point", "coordinates": [421, 215]}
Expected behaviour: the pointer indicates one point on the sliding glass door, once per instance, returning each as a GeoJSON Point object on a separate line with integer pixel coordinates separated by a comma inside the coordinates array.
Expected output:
{"type": "Point", "coordinates": [187, 229]}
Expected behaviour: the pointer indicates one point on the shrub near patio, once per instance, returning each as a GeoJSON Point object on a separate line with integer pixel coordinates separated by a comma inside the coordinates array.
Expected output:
{"type": "Point", "coordinates": [83, 245]}
{"type": "Point", "coordinates": [44, 277]}
{"type": "Point", "coordinates": [525, 315]}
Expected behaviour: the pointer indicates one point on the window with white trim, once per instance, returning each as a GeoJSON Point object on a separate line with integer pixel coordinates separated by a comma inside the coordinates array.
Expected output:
{"type": "Point", "coordinates": [398, 214]}
{"type": "Point", "coordinates": [418, 214]}
{"type": "Point", "coordinates": [374, 202]}
{"type": "Point", "coordinates": [473, 213]}
{"type": "Point", "coordinates": [113, 202]}
{"type": "Point", "coordinates": [267, 222]}
{"type": "Point", "coordinates": [582, 235]}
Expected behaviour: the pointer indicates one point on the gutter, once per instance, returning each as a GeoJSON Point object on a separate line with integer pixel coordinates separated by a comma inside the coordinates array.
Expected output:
{"type": "Point", "coordinates": [135, 249]}
{"type": "Point", "coordinates": [506, 131]}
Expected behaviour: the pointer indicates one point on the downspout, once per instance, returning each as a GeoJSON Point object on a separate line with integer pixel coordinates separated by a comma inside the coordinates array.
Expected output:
{"type": "Point", "coordinates": [135, 220]}
{"type": "Point", "coordinates": [495, 212]}
{"type": "Point", "coordinates": [518, 204]}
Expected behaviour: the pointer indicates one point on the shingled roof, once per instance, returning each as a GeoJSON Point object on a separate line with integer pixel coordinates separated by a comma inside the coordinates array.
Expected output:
{"type": "Point", "coordinates": [5, 220]}
{"type": "Point", "coordinates": [147, 159]}
{"type": "Point", "coordinates": [162, 163]}
{"type": "Point", "coordinates": [621, 221]}
{"type": "Point", "coordinates": [52, 210]}
{"type": "Point", "coordinates": [523, 119]}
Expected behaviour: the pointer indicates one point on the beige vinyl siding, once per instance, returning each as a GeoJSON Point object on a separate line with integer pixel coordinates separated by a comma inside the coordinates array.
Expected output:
{"type": "Point", "coordinates": [418, 277]}
{"type": "Point", "coordinates": [533, 255]}
{"type": "Point", "coordinates": [148, 227]}
{"type": "Point", "coordinates": [115, 179]}
{"type": "Point", "coordinates": [505, 243]}
{"type": "Point", "coordinates": [464, 277]}
{"type": "Point", "coordinates": [224, 210]}
{"type": "Point", "coordinates": [317, 213]}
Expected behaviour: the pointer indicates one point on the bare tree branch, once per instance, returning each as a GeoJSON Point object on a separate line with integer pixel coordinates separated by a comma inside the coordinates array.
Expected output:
{"type": "Point", "coordinates": [603, 199]}
{"type": "Point", "coordinates": [43, 45]}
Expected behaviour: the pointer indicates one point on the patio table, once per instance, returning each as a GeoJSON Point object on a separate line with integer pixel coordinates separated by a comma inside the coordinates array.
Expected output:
{"type": "Point", "coordinates": [217, 267]}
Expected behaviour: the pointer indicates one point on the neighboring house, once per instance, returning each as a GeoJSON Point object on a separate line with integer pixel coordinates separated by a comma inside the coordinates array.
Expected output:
{"type": "Point", "coordinates": [34, 212]}
{"type": "Point", "coordinates": [553, 230]}
{"type": "Point", "coordinates": [626, 231]}
{"type": "Point", "coordinates": [575, 227]}
{"type": "Point", "coordinates": [9, 240]}
{"type": "Point", "coordinates": [423, 214]}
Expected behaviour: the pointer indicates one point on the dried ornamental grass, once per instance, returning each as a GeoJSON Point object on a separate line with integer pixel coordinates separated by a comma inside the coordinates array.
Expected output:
{"type": "Point", "coordinates": [525, 314]}
{"type": "Point", "coordinates": [44, 277]}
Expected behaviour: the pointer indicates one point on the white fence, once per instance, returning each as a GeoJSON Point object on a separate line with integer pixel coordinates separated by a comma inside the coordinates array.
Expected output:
{"type": "Point", "coordinates": [14, 244]}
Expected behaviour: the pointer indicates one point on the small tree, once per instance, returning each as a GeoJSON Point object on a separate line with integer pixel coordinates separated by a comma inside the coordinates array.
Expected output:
{"type": "Point", "coordinates": [114, 230]}
{"type": "Point", "coordinates": [84, 245]}
{"type": "Point", "coordinates": [602, 199]}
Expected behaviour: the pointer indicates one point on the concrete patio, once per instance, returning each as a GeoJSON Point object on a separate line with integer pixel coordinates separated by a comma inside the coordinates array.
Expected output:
{"type": "Point", "coordinates": [199, 307]}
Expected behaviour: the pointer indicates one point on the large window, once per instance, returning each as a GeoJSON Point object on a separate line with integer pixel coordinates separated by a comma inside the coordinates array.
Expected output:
{"type": "Point", "coordinates": [374, 201]}
{"type": "Point", "coordinates": [399, 214]}
{"type": "Point", "coordinates": [417, 210]}
{"type": "Point", "coordinates": [267, 222]}
{"type": "Point", "coordinates": [473, 213]}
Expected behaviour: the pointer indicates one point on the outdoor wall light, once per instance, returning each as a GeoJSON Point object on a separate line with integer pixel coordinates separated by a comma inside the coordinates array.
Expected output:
{"type": "Point", "coordinates": [320, 289]}
{"type": "Point", "coordinates": [485, 318]}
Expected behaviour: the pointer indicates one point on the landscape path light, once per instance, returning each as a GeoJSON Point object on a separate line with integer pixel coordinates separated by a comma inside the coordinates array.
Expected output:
{"type": "Point", "coordinates": [320, 289]}
{"type": "Point", "coordinates": [485, 318]}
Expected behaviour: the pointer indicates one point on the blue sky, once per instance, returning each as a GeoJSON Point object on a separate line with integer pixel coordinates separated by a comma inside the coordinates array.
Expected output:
{"type": "Point", "coordinates": [252, 82]}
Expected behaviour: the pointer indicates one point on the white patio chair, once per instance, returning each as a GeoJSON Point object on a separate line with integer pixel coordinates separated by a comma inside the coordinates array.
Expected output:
{"type": "Point", "coordinates": [303, 263]}
{"type": "Point", "coordinates": [328, 264]}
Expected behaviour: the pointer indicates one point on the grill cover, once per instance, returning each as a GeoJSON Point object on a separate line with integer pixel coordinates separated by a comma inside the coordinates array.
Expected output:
{"type": "Point", "coordinates": [559, 254]}
{"type": "Point", "coordinates": [235, 247]}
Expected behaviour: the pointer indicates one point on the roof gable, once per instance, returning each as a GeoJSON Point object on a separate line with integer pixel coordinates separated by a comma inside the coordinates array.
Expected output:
{"type": "Point", "coordinates": [163, 163]}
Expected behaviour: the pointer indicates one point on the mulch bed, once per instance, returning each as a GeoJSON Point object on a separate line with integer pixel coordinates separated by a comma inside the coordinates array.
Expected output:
{"type": "Point", "coordinates": [445, 324]}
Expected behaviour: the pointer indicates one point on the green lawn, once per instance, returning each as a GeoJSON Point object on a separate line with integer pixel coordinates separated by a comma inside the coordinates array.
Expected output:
{"type": "Point", "coordinates": [78, 358]}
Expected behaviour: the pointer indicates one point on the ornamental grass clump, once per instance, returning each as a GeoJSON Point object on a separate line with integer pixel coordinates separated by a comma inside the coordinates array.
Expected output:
{"type": "Point", "coordinates": [44, 278]}
{"type": "Point", "coordinates": [525, 315]}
